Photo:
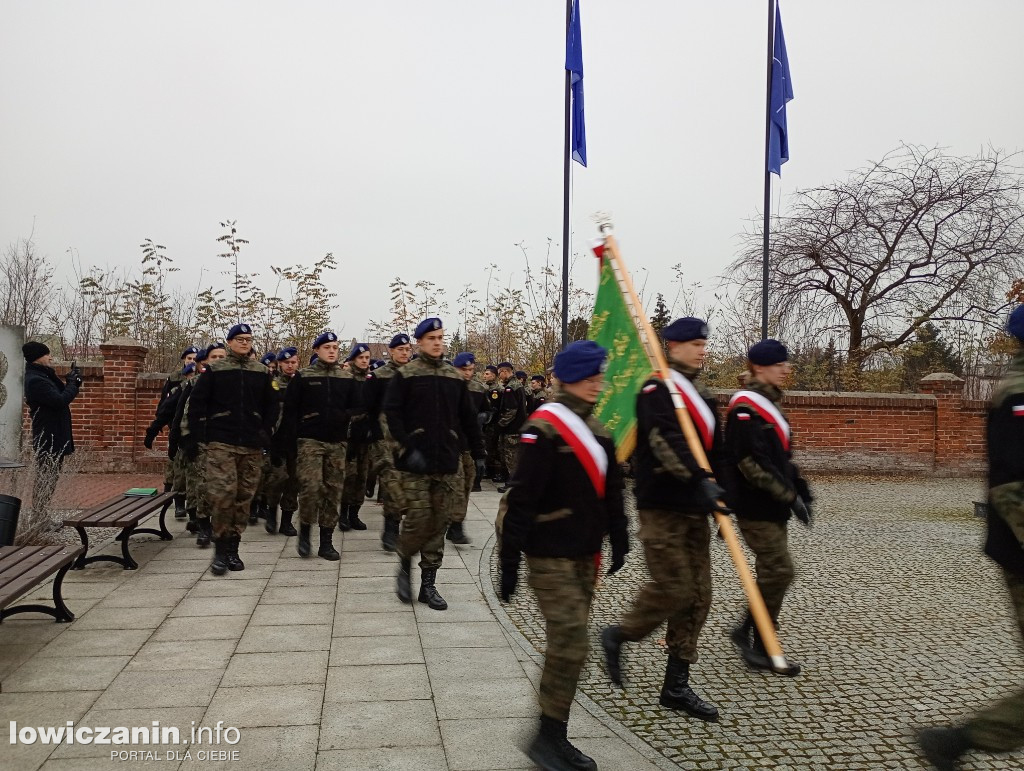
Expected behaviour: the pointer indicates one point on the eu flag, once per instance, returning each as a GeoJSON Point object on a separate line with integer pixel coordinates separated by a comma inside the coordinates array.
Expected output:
{"type": "Point", "coordinates": [574, 64]}
{"type": "Point", "coordinates": [782, 92]}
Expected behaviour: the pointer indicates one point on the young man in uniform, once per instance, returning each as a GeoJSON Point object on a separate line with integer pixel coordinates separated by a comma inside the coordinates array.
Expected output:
{"type": "Point", "coordinates": [358, 463]}
{"type": "Point", "coordinates": [282, 482]}
{"type": "Point", "coordinates": [511, 414]}
{"type": "Point", "coordinates": [537, 394]}
{"type": "Point", "coordinates": [426, 406]}
{"type": "Point", "coordinates": [382, 450]}
{"type": "Point", "coordinates": [466, 364]}
{"type": "Point", "coordinates": [318, 407]}
{"type": "Point", "coordinates": [766, 488]}
{"type": "Point", "coordinates": [165, 416]}
{"type": "Point", "coordinates": [566, 495]}
{"type": "Point", "coordinates": [674, 497]}
{"type": "Point", "coordinates": [1000, 727]}
{"type": "Point", "coordinates": [492, 444]}
{"type": "Point", "coordinates": [188, 356]}
{"type": "Point", "coordinates": [231, 411]}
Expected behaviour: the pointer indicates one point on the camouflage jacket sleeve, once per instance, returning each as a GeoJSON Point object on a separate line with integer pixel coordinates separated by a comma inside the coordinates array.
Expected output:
{"type": "Point", "coordinates": [659, 427]}
{"type": "Point", "coordinates": [508, 407]}
{"type": "Point", "coordinates": [753, 459]}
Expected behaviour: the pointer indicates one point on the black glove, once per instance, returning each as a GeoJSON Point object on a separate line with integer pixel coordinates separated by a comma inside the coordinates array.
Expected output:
{"type": "Point", "coordinates": [708, 495]}
{"type": "Point", "coordinates": [150, 436]}
{"type": "Point", "coordinates": [509, 577]}
{"type": "Point", "coordinates": [802, 511]}
{"type": "Point", "coordinates": [416, 462]}
{"type": "Point", "coordinates": [803, 490]}
{"type": "Point", "coordinates": [75, 376]}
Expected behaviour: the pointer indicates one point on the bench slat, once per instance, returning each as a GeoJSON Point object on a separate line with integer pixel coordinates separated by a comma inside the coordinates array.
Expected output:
{"type": "Point", "coordinates": [28, 569]}
{"type": "Point", "coordinates": [119, 512]}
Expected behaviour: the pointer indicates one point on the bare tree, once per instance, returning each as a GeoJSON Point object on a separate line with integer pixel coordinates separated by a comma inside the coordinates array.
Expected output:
{"type": "Point", "coordinates": [26, 286]}
{"type": "Point", "coordinates": [919, 236]}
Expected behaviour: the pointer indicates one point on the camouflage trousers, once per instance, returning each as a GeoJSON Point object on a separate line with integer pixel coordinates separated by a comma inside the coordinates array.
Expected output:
{"type": "Point", "coordinates": [179, 470]}
{"type": "Point", "coordinates": [232, 478]}
{"type": "Point", "coordinates": [429, 499]}
{"type": "Point", "coordinates": [565, 590]}
{"type": "Point", "coordinates": [356, 467]}
{"type": "Point", "coordinates": [281, 485]}
{"type": "Point", "coordinates": [169, 473]}
{"type": "Point", "coordinates": [382, 460]}
{"type": "Point", "coordinates": [677, 550]}
{"type": "Point", "coordinates": [467, 475]}
{"type": "Point", "coordinates": [1000, 728]}
{"type": "Point", "coordinates": [320, 468]}
{"type": "Point", "coordinates": [510, 453]}
{"type": "Point", "coordinates": [195, 483]}
{"type": "Point", "coordinates": [773, 563]}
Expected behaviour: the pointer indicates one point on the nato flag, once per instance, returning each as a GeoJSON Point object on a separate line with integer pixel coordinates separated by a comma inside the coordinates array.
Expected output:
{"type": "Point", "coordinates": [782, 92]}
{"type": "Point", "coordinates": [574, 64]}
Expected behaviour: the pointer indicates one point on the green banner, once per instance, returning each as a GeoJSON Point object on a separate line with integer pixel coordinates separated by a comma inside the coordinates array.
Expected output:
{"type": "Point", "coordinates": [628, 364]}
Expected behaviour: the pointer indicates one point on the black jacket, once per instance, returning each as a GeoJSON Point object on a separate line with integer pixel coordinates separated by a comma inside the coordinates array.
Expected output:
{"type": "Point", "coordinates": [426, 405]}
{"type": "Point", "coordinates": [553, 508]}
{"type": "Point", "coordinates": [375, 392]}
{"type": "Point", "coordinates": [360, 430]}
{"type": "Point", "coordinates": [1004, 543]}
{"type": "Point", "coordinates": [233, 403]}
{"type": "Point", "coordinates": [319, 404]}
{"type": "Point", "coordinates": [166, 412]}
{"type": "Point", "coordinates": [48, 400]}
{"type": "Point", "coordinates": [763, 478]}
{"type": "Point", "coordinates": [666, 471]}
{"type": "Point", "coordinates": [511, 406]}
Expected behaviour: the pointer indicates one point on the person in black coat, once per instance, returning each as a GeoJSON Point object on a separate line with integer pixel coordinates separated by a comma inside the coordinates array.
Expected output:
{"type": "Point", "coordinates": [49, 401]}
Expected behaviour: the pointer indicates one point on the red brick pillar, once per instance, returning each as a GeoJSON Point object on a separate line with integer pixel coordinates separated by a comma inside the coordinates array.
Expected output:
{"type": "Point", "coordinates": [951, 437]}
{"type": "Point", "coordinates": [122, 363]}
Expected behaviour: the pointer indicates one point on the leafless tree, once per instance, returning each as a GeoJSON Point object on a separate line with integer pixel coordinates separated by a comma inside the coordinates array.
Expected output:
{"type": "Point", "coordinates": [26, 286]}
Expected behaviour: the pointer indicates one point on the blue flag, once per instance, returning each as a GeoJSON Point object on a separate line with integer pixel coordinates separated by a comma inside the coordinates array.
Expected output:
{"type": "Point", "coordinates": [574, 64]}
{"type": "Point", "coordinates": [782, 92]}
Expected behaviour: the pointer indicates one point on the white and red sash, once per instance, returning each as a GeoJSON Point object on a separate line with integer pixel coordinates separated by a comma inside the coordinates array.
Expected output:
{"type": "Point", "coordinates": [577, 434]}
{"type": "Point", "coordinates": [766, 409]}
{"type": "Point", "coordinates": [701, 415]}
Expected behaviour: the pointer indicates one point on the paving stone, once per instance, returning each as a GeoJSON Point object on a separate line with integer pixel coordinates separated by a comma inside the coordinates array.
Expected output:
{"type": "Point", "coordinates": [377, 682]}
{"type": "Point", "coordinates": [284, 668]}
{"type": "Point", "coordinates": [175, 688]}
{"type": "Point", "coordinates": [67, 673]}
{"type": "Point", "coordinates": [392, 649]}
{"type": "Point", "coordinates": [291, 615]}
{"type": "Point", "coordinates": [374, 624]}
{"type": "Point", "coordinates": [100, 642]}
{"type": "Point", "coordinates": [191, 628]}
{"type": "Point", "coordinates": [275, 639]}
{"type": "Point", "coordinates": [384, 759]}
{"type": "Point", "coordinates": [488, 743]}
{"type": "Point", "coordinates": [268, 705]}
{"type": "Point", "coordinates": [282, 748]}
{"type": "Point", "coordinates": [158, 655]}
{"type": "Point", "coordinates": [242, 605]}
{"type": "Point", "coordinates": [369, 724]}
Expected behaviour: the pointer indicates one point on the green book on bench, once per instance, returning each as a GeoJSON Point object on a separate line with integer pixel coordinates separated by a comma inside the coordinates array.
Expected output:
{"type": "Point", "coordinates": [141, 492]}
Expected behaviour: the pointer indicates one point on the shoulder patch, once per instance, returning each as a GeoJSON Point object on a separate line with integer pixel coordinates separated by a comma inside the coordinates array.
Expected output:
{"type": "Point", "coordinates": [648, 388]}
{"type": "Point", "coordinates": [528, 439]}
{"type": "Point", "coordinates": [742, 416]}
{"type": "Point", "coordinates": [1018, 410]}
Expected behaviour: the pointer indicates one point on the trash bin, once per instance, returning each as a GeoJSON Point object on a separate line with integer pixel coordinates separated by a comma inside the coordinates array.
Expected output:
{"type": "Point", "coordinates": [10, 509]}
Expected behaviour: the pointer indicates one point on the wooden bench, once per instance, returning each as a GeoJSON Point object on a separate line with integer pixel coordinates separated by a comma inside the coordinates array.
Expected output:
{"type": "Point", "coordinates": [22, 568]}
{"type": "Point", "coordinates": [124, 512]}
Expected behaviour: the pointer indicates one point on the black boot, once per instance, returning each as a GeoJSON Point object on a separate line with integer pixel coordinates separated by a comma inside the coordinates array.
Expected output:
{"type": "Point", "coordinates": [254, 512]}
{"type": "Point", "coordinates": [204, 533]}
{"type": "Point", "coordinates": [167, 487]}
{"type": "Point", "coordinates": [757, 658]}
{"type": "Point", "coordinates": [677, 694]}
{"type": "Point", "coordinates": [287, 528]}
{"type": "Point", "coordinates": [304, 547]}
{"type": "Point", "coordinates": [353, 518]}
{"type": "Point", "coordinates": [428, 592]}
{"type": "Point", "coordinates": [192, 525]}
{"type": "Point", "coordinates": [552, 750]}
{"type": "Point", "coordinates": [740, 635]}
{"type": "Point", "coordinates": [270, 525]}
{"type": "Point", "coordinates": [611, 642]}
{"type": "Point", "coordinates": [389, 538]}
{"type": "Point", "coordinates": [234, 561]}
{"type": "Point", "coordinates": [403, 587]}
{"type": "Point", "coordinates": [219, 566]}
{"type": "Point", "coordinates": [327, 550]}
{"type": "Point", "coordinates": [179, 506]}
{"type": "Point", "coordinates": [343, 524]}
{"type": "Point", "coordinates": [944, 746]}
{"type": "Point", "coordinates": [456, 534]}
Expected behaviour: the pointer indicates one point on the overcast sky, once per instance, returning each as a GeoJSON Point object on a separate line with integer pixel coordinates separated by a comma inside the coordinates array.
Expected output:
{"type": "Point", "coordinates": [424, 139]}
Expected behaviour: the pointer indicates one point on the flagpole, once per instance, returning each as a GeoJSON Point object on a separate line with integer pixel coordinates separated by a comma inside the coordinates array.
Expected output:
{"type": "Point", "coordinates": [758, 610]}
{"type": "Point", "coordinates": [767, 173]}
{"type": "Point", "coordinates": [566, 172]}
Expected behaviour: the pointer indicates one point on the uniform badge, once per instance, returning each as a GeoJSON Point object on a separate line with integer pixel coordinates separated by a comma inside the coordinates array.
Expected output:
{"type": "Point", "coordinates": [494, 394]}
{"type": "Point", "coordinates": [528, 438]}
{"type": "Point", "coordinates": [1018, 411]}
{"type": "Point", "coordinates": [742, 416]}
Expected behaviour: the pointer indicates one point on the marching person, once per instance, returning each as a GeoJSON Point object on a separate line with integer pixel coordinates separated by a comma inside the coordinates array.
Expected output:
{"type": "Point", "coordinates": [471, 469]}
{"type": "Point", "coordinates": [767, 489]}
{"type": "Point", "coordinates": [49, 405]}
{"type": "Point", "coordinates": [492, 443]}
{"type": "Point", "coordinates": [231, 411]}
{"type": "Point", "coordinates": [566, 495]}
{"type": "Point", "coordinates": [674, 497]}
{"type": "Point", "coordinates": [166, 412]}
{"type": "Point", "coordinates": [188, 356]}
{"type": "Point", "coordinates": [426, 405]}
{"type": "Point", "coordinates": [382, 450]}
{"type": "Point", "coordinates": [358, 463]}
{"type": "Point", "coordinates": [319, 404]}
{"type": "Point", "coordinates": [511, 414]}
{"type": "Point", "coordinates": [282, 482]}
{"type": "Point", "coordinates": [1000, 727]}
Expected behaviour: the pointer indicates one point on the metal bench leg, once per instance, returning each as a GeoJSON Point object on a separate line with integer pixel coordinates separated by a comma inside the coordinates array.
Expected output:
{"type": "Point", "coordinates": [129, 563]}
{"type": "Point", "coordinates": [63, 614]}
{"type": "Point", "coordinates": [80, 562]}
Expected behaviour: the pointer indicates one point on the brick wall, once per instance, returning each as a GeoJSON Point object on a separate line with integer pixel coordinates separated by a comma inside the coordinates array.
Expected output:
{"type": "Point", "coordinates": [934, 432]}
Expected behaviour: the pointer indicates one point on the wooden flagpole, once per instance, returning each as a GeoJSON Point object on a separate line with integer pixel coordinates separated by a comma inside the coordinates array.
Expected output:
{"type": "Point", "coordinates": [758, 610]}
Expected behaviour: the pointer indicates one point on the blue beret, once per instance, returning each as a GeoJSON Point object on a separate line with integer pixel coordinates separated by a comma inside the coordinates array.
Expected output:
{"type": "Point", "coordinates": [201, 356]}
{"type": "Point", "coordinates": [325, 337]}
{"type": "Point", "coordinates": [538, 378]}
{"type": "Point", "coordinates": [768, 352]}
{"type": "Point", "coordinates": [377, 363]}
{"type": "Point", "coordinates": [520, 374]}
{"type": "Point", "coordinates": [491, 368]}
{"type": "Point", "coordinates": [357, 349]}
{"type": "Point", "coordinates": [1015, 326]}
{"type": "Point", "coordinates": [287, 353]}
{"type": "Point", "coordinates": [505, 365]}
{"type": "Point", "coordinates": [464, 358]}
{"type": "Point", "coordinates": [214, 347]}
{"type": "Point", "coordinates": [580, 360]}
{"type": "Point", "coordinates": [187, 351]}
{"type": "Point", "coordinates": [685, 329]}
{"type": "Point", "coordinates": [268, 358]}
{"type": "Point", "coordinates": [238, 329]}
{"type": "Point", "coordinates": [427, 325]}
{"type": "Point", "coordinates": [313, 359]}
{"type": "Point", "coordinates": [189, 368]}
{"type": "Point", "coordinates": [399, 339]}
